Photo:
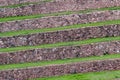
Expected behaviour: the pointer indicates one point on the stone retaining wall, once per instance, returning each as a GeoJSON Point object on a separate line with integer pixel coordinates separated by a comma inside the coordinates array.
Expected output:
{"type": "Point", "coordinates": [59, 21]}
{"type": "Point", "coordinates": [60, 36]}
{"type": "Point", "coordinates": [54, 70]}
{"type": "Point", "coordinates": [57, 6]}
{"type": "Point", "coordinates": [97, 49]}
{"type": "Point", "coordinates": [12, 2]}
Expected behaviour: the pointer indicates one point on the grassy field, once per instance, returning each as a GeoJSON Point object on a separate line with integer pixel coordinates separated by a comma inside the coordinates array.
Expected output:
{"type": "Point", "coordinates": [76, 26]}
{"type": "Point", "coordinates": [103, 75]}
{"type": "Point", "coordinates": [57, 62]}
{"type": "Point", "coordinates": [60, 44]}
{"type": "Point", "coordinates": [55, 14]}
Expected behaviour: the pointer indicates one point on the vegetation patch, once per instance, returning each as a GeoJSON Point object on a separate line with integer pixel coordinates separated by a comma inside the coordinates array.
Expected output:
{"type": "Point", "coordinates": [103, 75]}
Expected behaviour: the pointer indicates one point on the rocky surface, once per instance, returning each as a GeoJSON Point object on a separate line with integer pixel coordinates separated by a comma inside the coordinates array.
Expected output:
{"type": "Point", "coordinates": [59, 21]}
{"type": "Point", "coordinates": [12, 2]}
{"type": "Point", "coordinates": [79, 51]}
{"type": "Point", "coordinates": [55, 70]}
{"type": "Point", "coordinates": [96, 49]}
{"type": "Point", "coordinates": [57, 6]}
{"type": "Point", "coordinates": [60, 36]}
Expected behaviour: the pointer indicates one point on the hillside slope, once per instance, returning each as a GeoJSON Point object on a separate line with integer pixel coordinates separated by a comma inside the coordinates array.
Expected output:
{"type": "Point", "coordinates": [59, 40]}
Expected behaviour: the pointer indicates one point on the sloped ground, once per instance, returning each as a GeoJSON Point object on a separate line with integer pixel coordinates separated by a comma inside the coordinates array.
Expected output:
{"type": "Point", "coordinates": [59, 40]}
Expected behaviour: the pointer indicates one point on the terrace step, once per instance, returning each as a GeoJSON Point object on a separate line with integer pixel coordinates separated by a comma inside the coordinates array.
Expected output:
{"type": "Point", "coordinates": [47, 38]}
{"type": "Point", "coordinates": [59, 21]}
{"type": "Point", "coordinates": [57, 6]}
{"type": "Point", "coordinates": [96, 49]}
{"type": "Point", "coordinates": [61, 69]}
{"type": "Point", "coordinates": [60, 36]}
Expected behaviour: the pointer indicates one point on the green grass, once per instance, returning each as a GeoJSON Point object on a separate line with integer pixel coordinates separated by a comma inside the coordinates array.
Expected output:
{"type": "Point", "coordinates": [13, 18]}
{"type": "Point", "coordinates": [25, 32]}
{"type": "Point", "coordinates": [57, 62]}
{"type": "Point", "coordinates": [103, 75]}
{"type": "Point", "coordinates": [24, 4]}
{"type": "Point", "coordinates": [60, 44]}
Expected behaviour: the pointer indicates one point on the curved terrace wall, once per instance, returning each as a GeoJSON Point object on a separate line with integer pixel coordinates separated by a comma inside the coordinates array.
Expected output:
{"type": "Point", "coordinates": [54, 70]}
{"type": "Point", "coordinates": [61, 36]}
{"type": "Point", "coordinates": [57, 21]}
{"type": "Point", "coordinates": [57, 6]}
{"type": "Point", "coordinates": [97, 49]}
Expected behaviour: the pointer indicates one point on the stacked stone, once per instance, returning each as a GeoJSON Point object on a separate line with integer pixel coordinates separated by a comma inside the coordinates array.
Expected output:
{"type": "Point", "coordinates": [58, 6]}
{"type": "Point", "coordinates": [55, 70]}
{"type": "Point", "coordinates": [62, 52]}
{"type": "Point", "coordinates": [96, 49]}
{"type": "Point", "coordinates": [12, 2]}
{"type": "Point", "coordinates": [61, 36]}
{"type": "Point", "coordinates": [59, 21]}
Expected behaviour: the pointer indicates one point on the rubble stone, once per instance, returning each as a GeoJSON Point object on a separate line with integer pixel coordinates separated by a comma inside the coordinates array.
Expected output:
{"type": "Point", "coordinates": [96, 49]}
{"type": "Point", "coordinates": [57, 70]}
{"type": "Point", "coordinates": [61, 36]}
{"type": "Point", "coordinates": [12, 2]}
{"type": "Point", "coordinates": [58, 6]}
{"type": "Point", "coordinates": [59, 21]}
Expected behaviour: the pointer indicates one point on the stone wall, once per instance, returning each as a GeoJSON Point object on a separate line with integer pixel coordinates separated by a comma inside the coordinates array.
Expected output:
{"type": "Point", "coordinates": [60, 36]}
{"type": "Point", "coordinates": [59, 21]}
{"type": "Point", "coordinates": [12, 2]}
{"type": "Point", "coordinates": [54, 70]}
{"type": "Point", "coordinates": [97, 49]}
{"type": "Point", "coordinates": [57, 6]}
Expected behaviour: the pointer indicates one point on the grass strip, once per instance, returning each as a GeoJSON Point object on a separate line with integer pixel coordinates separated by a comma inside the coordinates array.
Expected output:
{"type": "Point", "coordinates": [13, 18]}
{"type": "Point", "coordinates": [57, 62]}
{"type": "Point", "coordinates": [24, 4]}
{"type": "Point", "coordinates": [25, 32]}
{"type": "Point", "coordinates": [103, 75]}
{"type": "Point", "coordinates": [60, 44]}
